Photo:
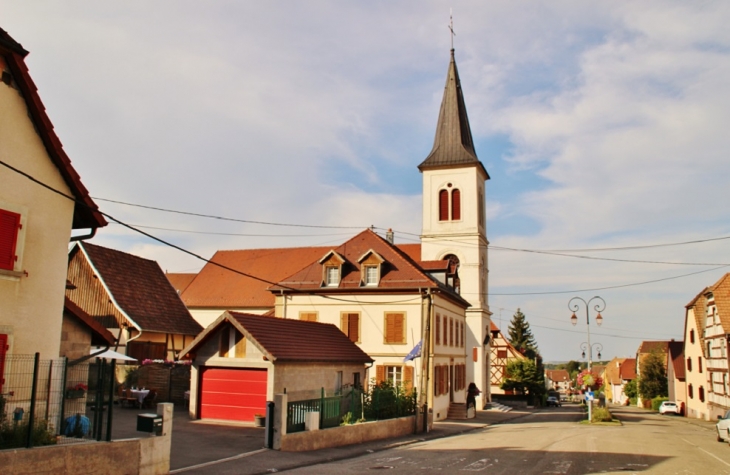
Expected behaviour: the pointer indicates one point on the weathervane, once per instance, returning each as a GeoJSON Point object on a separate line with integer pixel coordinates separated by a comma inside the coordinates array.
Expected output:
{"type": "Point", "coordinates": [451, 27]}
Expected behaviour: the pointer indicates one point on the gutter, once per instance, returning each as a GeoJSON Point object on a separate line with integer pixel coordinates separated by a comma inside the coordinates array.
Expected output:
{"type": "Point", "coordinates": [84, 237]}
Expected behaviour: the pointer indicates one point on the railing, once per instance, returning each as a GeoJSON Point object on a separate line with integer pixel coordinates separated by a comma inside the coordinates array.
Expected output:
{"type": "Point", "coordinates": [331, 410]}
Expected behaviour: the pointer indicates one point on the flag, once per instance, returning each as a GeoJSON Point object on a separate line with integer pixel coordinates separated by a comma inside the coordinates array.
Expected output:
{"type": "Point", "coordinates": [415, 352]}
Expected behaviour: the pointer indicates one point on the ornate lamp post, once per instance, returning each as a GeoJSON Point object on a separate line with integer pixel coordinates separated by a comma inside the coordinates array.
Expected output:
{"type": "Point", "coordinates": [584, 346]}
{"type": "Point", "coordinates": [599, 306]}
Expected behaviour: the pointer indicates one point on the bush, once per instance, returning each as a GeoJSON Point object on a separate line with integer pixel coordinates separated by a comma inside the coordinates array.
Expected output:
{"type": "Point", "coordinates": [633, 401]}
{"type": "Point", "coordinates": [657, 401]}
{"type": "Point", "coordinates": [386, 401]}
{"type": "Point", "coordinates": [601, 414]}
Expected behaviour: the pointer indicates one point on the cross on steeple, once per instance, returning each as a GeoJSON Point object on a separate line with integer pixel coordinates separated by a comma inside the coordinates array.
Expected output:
{"type": "Point", "coordinates": [451, 27]}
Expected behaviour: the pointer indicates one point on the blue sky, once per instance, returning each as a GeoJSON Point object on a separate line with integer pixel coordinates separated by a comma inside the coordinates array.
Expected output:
{"type": "Point", "coordinates": [602, 126]}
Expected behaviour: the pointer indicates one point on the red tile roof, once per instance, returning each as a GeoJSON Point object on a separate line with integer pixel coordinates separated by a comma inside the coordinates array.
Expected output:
{"type": "Point", "coordinates": [141, 289]}
{"type": "Point", "coordinates": [180, 282]}
{"type": "Point", "coordinates": [628, 369]}
{"type": "Point", "coordinates": [557, 375]}
{"type": "Point", "coordinates": [721, 293]}
{"type": "Point", "coordinates": [613, 370]}
{"type": "Point", "coordinates": [289, 339]}
{"type": "Point", "coordinates": [649, 346]}
{"type": "Point", "coordinates": [86, 214]}
{"type": "Point", "coordinates": [100, 336]}
{"type": "Point", "coordinates": [676, 355]}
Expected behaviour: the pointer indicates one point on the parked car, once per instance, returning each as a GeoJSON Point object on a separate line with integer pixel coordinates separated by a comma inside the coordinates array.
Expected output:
{"type": "Point", "coordinates": [669, 407]}
{"type": "Point", "coordinates": [723, 428]}
{"type": "Point", "coordinates": [553, 401]}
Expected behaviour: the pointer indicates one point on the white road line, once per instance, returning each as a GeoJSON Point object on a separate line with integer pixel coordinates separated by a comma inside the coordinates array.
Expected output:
{"type": "Point", "coordinates": [215, 462]}
{"type": "Point", "coordinates": [708, 453]}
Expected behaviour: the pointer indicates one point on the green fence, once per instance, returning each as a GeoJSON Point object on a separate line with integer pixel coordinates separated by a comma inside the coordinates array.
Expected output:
{"type": "Point", "coordinates": [331, 410]}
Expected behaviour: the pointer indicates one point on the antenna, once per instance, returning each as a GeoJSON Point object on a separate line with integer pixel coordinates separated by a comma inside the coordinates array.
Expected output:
{"type": "Point", "coordinates": [451, 27]}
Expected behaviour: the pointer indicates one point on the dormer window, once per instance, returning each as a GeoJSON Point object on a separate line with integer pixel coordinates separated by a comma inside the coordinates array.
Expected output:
{"type": "Point", "coordinates": [371, 265]}
{"type": "Point", "coordinates": [332, 276]}
{"type": "Point", "coordinates": [371, 275]}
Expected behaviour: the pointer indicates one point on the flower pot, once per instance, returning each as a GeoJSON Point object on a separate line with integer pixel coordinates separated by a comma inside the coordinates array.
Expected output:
{"type": "Point", "coordinates": [75, 393]}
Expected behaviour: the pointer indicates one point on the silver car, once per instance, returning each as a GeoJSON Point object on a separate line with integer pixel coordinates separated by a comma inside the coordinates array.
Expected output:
{"type": "Point", "coordinates": [723, 425]}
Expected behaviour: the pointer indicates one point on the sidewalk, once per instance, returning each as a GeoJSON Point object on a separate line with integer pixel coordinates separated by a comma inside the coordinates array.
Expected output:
{"type": "Point", "coordinates": [268, 461]}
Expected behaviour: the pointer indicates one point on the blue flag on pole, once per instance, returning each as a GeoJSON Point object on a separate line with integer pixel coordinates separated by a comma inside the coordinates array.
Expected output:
{"type": "Point", "coordinates": [415, 352]}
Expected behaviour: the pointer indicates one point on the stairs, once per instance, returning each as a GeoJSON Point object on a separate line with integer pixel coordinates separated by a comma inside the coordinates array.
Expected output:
{"type": "Point", "coordinates": [457, 411]}
{"type": "Point", "coordinates": [495, 406]}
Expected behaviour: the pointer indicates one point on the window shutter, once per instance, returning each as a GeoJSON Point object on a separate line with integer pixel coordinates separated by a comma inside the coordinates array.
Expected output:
{"type": "Point", "coordinates": [379, 374]}
{"type": "Point", "coordinates": [3, 350]}
{"type": "Point", "coordinates": [343, 324]}
{"type": "Point", "coordinates": [451, 332]}
{"type": "Point", "coordinates": [224, 342]}
{"type": "Point", "coordinates": [408, 378]}
{"type": "Point", "coordinates": [9, 226]}
{"type": "Point", "coordinates": [438, 329]}
{"type": "Point", "coordinates": [308, 316]}
{"type": "Point", "coordinates": [456, 205]}
{"type": "Point", "coordinates": [240, 348]}
{"type": "Point", "coordinates": [353, 327]}
{"type": "Point", "coordinates": [443, 205]}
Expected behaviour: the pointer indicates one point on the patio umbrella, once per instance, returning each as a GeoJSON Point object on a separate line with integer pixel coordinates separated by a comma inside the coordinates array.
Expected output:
{"type": "Point", "coordinates": [111, 355]}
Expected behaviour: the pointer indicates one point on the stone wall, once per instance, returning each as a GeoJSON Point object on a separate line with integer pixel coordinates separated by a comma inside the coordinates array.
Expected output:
{"type": "Point", "coordinates": [303, 381]}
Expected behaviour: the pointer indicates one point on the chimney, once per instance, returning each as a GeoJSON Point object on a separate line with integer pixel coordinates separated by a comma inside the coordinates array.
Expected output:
{"type": "Point", "coordinates": [389, 236]}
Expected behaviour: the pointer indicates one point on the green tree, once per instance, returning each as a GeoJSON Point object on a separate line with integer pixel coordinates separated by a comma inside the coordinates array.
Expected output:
{"type": "Point", "coordinates": [631, 390]}
{"type": "Point", "coordinates": [525, 377]}
{"type": "Point", "coordinates": [520, 335]}
{"type": "Point", "coordinates": [653, 381]}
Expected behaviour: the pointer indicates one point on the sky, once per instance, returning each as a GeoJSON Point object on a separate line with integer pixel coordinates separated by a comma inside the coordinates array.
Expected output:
{"type": "Point", "coordinates": [602, 125]}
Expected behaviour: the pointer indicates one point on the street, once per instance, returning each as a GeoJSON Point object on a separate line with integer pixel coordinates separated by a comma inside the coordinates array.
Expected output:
{"type": "Point", "coordinates": [551, 441]}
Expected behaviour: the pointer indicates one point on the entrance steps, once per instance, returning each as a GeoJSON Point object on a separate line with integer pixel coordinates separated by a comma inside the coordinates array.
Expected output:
{"type": "Point", "coordinates": [495, 406]}
{"type": "Point", "coordinates": [457, 411]}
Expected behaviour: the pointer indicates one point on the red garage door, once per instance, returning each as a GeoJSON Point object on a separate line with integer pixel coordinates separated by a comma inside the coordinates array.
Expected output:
{"type": "Point", "coordinates": [232, 394]}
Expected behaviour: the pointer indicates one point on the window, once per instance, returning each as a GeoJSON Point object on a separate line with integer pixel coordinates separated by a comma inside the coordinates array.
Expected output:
{"type": "Point", "coordinates": [692, 336]}
{"type": "Point", "coordinates": [689, 363]}
{"type": "Point", "coordinates": [10, 230]}
{"type": "Point", "coordinates": [356, 380]}
{"type": "Point", "coordinates": [455, 205]}
{"type": "Point", "coordinates": [702, 394]}
{"type": "Point", "coordinates": [440, 380]}
{"type": "Point", "coordinates": [143, 350]}
{"type": "Point", "coordinates": [371, 275]}
{"type": "Point", "coordinates": [690, 392]}
{"type": "Point", "coordinates": [308, 316]}
{"type": "Point", "coordinates": [699, 364]}
{"type": "Point", "coordinates": [395, 328]}
{"type": "Point", "coordinates": [338, 382]}
{"type": "Point", "coordinates": [438, 329]}
{"type": "Point", "coordinates": [443, 205]}
{"type": "Point", "coordinates": [396, 374]}
{"type": "Point", "coordinates": [332, 276]}
{"type": "Point", "coordinates": [232, 343]}
{"type": "Point", "coordinates": [350, 326]}
{"type": "Point", "coordinates": [451, 332]}
{"type": "Point", "coordinates": [481, 207]}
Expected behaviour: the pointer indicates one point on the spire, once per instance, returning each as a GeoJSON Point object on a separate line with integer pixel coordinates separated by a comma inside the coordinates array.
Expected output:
{"type": "Point", "coordinates": [453, 144]}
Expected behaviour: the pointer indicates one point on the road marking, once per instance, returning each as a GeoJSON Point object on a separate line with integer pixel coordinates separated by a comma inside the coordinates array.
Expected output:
{"type": "Point", "coordinates": [215, 462]}
{"type": "Point", "coordinates": [708, 453]}
{"type": "Point", "coordinates": [477, 466]}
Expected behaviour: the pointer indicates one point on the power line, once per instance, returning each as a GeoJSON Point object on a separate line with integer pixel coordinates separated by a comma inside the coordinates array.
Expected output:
{"type": "Point", "coordinates": [238, 234]}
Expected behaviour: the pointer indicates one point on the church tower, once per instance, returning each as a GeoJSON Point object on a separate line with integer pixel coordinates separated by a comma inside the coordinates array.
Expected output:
{"type": "Point", "coordinates": [455, 222]}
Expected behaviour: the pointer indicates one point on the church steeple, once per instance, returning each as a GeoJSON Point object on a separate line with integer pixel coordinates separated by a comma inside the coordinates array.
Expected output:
{"type": "Point", "coordinates": [453, 144]}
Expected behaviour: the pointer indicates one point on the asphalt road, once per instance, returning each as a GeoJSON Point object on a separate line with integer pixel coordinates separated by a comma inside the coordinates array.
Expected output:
{"type": "Point", "coordinates": [551, 441]}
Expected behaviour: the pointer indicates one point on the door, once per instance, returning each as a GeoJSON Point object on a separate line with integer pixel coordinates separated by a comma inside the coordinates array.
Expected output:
{"type": "Point", "coordinates": [232, 394]}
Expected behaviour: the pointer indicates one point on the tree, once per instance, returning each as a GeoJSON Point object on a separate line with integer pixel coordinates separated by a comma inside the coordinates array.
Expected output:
{"type": "Point", "coordinates": [525, 377]}
{"type": "Point", "coordinates": [520, 335]}
{"type": "Point", "coordinates": [653, 381]}
{"type": "Point", "coordinates": [630, 389]}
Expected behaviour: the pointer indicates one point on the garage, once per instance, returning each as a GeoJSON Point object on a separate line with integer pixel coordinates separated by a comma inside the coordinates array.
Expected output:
{"type": "Point", "coordinates": [232, 394]}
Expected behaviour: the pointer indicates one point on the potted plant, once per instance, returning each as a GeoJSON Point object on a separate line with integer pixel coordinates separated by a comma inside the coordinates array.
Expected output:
{"type": "Point", "coordinates": [77, 391]}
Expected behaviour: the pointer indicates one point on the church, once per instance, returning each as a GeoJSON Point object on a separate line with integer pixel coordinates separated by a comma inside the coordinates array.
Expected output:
{"type": "Point", "coordinates": [392, 300]}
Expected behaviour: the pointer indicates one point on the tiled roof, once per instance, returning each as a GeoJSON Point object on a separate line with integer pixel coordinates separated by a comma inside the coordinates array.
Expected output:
{"type": "Point", "coordinates": [86, 214]}
{"type": "Point", "coordinates": [141, 289]}
{"type": "Point", "coordinates": [676, 355]}
{"type": "Point", "coordinates": [557, 375]}
{"type": "Point", "coordinates": [721, 293]}
{"type": "Point", "coordinates": [412, 250]}
{"type": "Point", "coordinates": [180, 282]}
{"type": "Point", "coordinates": [435, 265]}
{"type": "Point", "coordinates": [598, 369]}
{"type": "Point", "coordinates": [613, 371]}
{"type": "Point", "coordinates": [628, 369]}
{"type": "Point", "coordinates": [399, 271]}
{"type": "Point", "coordinates": [100, 336]}
{"type": "Point", "coordinates": [290, 340]}
{"type": "Point", "coordinates": [649, 346]}
{"type": "Point", "coordinates": [220, 288]}
{"type": "Point", "coordinates": [453, 144]}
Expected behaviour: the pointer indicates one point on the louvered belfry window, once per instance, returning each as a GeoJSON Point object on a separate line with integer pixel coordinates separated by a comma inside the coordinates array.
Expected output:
{"type": "Point", "coordinates": [455, 205]}
{"type": "Point", "coordinates": [9, 227]}
{"type": "Point", "coordinates": [443, 205]}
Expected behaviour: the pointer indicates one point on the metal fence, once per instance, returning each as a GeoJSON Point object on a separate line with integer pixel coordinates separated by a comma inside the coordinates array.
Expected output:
{"type": "Point", "coordinates": [45, 402]}
{"type": "Point", "coordinates": [331, 410]}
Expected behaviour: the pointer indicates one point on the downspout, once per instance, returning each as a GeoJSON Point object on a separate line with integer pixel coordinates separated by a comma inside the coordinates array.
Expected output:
{"type": "Point", "coordinates": [84, 237]}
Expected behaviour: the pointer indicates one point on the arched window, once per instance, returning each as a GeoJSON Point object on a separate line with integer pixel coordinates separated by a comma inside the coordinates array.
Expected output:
{"type": "Point", "coordinates": [692, 336]}
{"type": "Point", "coordinates": [443, 205]}
{"type": "Point", "coordinates": [690, 392]}
{"type": "Point", "coordinates": [455, 205]}
{"type": "Point", "coordinates": [452, 275]}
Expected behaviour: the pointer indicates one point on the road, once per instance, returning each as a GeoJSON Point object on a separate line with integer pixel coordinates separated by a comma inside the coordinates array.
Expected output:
{"type": "Point", "coordinates": [551, 441]}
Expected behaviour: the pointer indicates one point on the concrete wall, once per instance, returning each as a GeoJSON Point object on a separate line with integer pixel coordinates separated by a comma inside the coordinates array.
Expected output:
{"type": "Point", "coordinates": [75, 338]}
{"type": "Point", "coordinates": [347, 435]}
{"type": "Point", "coordinates": [306, 380]}
{"type": "Point", "coordinates": [145, 456]}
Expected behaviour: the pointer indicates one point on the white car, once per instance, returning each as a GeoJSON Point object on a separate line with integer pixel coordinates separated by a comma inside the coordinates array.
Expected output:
{"type": "Point", "coordinates": [723, 428]}
{"type": "Point", "coordinates": [669, 407]}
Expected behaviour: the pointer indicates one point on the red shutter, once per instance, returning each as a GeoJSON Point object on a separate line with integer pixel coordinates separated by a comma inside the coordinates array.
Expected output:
{"type": "Point", "coordinates": [9, 226]}
{"type": "Point", "coordinates": [3, 350]}
{"type": "Point", "coordinates": [456, 205]}
{"type": "Point", "coordinates": [443, 205]}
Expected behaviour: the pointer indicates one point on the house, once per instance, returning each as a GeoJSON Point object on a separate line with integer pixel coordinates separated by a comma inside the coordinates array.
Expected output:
{"type": "Point", "coordinates": [612, 381]}
{"type": "Point", "coordinates": [453, 250]}
{"type": "Point", "coordinates": [716, 334]}
{"type": "Point", "coordinates": [241, 360]}
{"type": "Point", "coordinates": [645, 349]}
{"type": "Point", "coordinates": [131, 297]}
{"type": "Point", "coordinates": [627, 373]}
{"type": "Point", "coordinates": [502, 352]}
{"type": "Point", "coordinates": [36, 223]}
{"type": "Point", "coordinates": [676, 378]}
{"type": "Point", "coordinates": [180, 281]}
{"type": "Point", "coordinates": [694, 354]}
{"type": "Point", "coordinates": [558, 380]}
{"type": "Point", "coordinates": [380, 298]}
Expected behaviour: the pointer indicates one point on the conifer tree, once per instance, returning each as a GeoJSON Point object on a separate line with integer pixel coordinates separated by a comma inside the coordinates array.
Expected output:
{"type": "Point", "coordinates": [520, 335]}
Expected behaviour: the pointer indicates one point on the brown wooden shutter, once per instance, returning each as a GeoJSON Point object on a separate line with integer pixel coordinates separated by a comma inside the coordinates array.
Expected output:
{"type": "Point", "coordinates": [394, 328]}
{"type": "Point", "coordinates": [408, 377]}
{"type": "Point", "coordinates": [451, 332]}
{"type": "Point", "coordinates": [379, 374]}
{"type": "Point", "coordinates": [438, 329]}
{"type": "Point", "coordinates": [353, 327]}
{"type": "Point", "coordinates": [240, 347]}
{"type": "Point", "coordinates": [443, 205]}
{"type": "Point", "coordinates": [224, 342]}
{"type": "Point", "coordinates": [456, 205]}
{"type": "Point", "coordinates": [9, 226]}
{"type": "Point", "coordinates": [308, 316]}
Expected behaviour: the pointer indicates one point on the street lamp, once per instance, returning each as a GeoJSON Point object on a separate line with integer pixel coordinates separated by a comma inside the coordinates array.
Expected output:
{"type": "Point", "coordinates": [598, 307]}
{"type": "Point", "coordinates": [584, 346]}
